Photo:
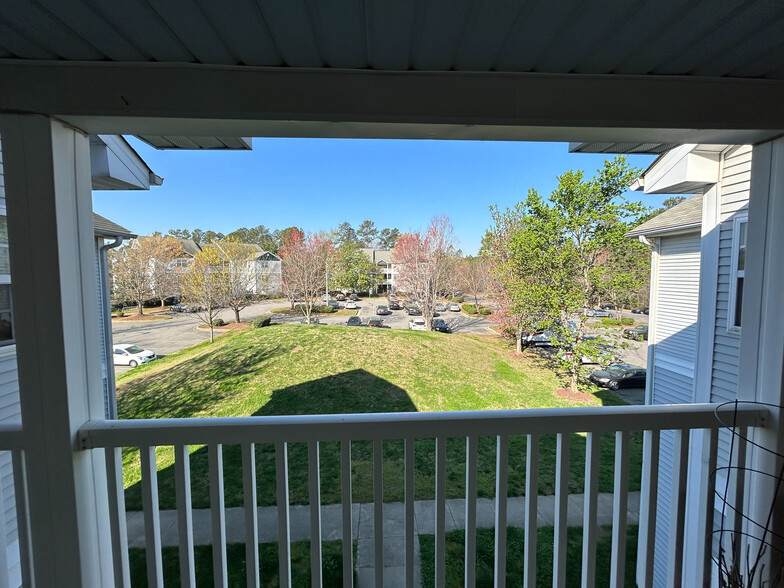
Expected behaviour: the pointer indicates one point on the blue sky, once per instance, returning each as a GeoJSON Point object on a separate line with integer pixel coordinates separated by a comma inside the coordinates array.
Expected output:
{"type": "Point", "coordinates": [317, 184]}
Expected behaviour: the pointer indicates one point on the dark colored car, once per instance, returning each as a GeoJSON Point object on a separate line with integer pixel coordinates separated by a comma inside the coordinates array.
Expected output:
{"type": "Point", "coordinates": [354, 321]}
{"type": "Point", "coordinates": [314, 320]}
{"type": "Point", "coordinates": [640, 333]}
{"type": "Point", "coordinates": [441, 326]}
{"type": "Point", "coordinates": [374, 321]}
{"type": "Point", "coordinates": [607, 306]}
{"type": "Point", "coordinates": [353, 297]}
{"type": "Point", "coordinates": [413, 310]}
{"type": "Point", "coordinates": [381, 309]}
{"type": "Point", "coordinates": [621, 375]}
{"type": "Point", "coordinates": [340, 298]}
{"type": "Point", "coordinates": [641, 310]}
{"type": "Point", "coordinates": [394, 305]}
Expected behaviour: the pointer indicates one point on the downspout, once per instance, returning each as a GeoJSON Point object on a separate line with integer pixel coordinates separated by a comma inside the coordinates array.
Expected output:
{"type": "Point", "coordinates": [103, 263]}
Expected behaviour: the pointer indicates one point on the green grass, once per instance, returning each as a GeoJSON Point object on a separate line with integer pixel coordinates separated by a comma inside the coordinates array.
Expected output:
{"type": "Point", "coordinates": [332, 570]}
{"type": "Point", "coordinates": [302, 369]}
{"type": "Point", "coordinates": [485, 553]}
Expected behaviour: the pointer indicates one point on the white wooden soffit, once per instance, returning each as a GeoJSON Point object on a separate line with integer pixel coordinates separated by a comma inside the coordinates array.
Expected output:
{"type": "Point", "coordinates": [115, 165]}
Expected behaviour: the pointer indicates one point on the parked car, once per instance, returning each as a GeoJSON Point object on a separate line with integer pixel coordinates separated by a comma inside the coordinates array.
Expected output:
{"type": "Point", "coordinates": [181, 307]}
{"type": "Point", "coordinates": [132, 355]}
{"type": "Point", "coordinates": [597, 312]}
{"type": "Point", "coordinates": [600, 353]}
{"type": "Point", "coordinates": [640, 333]}
{"type": "Point", "coordinates": [454, 307]}
{"type": "Point", "coordinates": [547, 337]}
{"type": "Point", "coordinates": [394, 305]}
{"type": "Point", "coordinates": [333, 303]}
{"type": "Point", "coordinates": [374, 321]}
{"type": "Point", "coordinates": [350, 304]}
{"type": "Point", "coordinates": [353, 297]}
{"type": "Point", "coordinates": [381, 309]}
{"type": "Point", "coordinates": [314, 320]}
{"type": "Point", "coordinates": [440, 307]}
{"type": "Point", "coordinates": [417, 324]}
{"type": "Point", "coordinates": [354, 321]}
{"type": "Point", "coordinates": [640, 310]}
{"type": "Point", "coordinates": [413, 310]}
{"type": "Point", "coordinates": [607, 306]}
{"type": "Point", "coordinates": [620, 375]}
{"type": "Point", "coordinates": [340, 298]}
{"type": "Point", "coordinates": [440, 326]}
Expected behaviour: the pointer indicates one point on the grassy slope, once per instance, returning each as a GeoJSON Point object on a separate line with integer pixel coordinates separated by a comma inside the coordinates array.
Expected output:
{"type": "Point", "coordinates": [289, 369]}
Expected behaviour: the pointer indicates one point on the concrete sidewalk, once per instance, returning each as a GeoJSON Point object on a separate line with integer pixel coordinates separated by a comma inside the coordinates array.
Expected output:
{"type": "Point", "coordinates": [362, 526]}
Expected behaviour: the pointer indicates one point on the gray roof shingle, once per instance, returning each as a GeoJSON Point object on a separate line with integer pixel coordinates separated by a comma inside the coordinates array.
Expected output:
{"type": "Point", "coordinates": [103, 227]}
{"type": "Point", "coordinates": [683, 217]}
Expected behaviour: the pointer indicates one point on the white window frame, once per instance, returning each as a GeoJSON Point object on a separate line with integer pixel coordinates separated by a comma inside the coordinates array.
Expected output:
{"type": "Point", "coordinates": [735, 273]}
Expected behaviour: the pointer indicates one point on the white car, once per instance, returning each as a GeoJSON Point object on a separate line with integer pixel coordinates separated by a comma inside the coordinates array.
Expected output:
{"type": "Point", "coordinates": [132, 355]}
{"type": "Point", "coordinates": [417, 324]}
{"type": "Point", "coordinates": [351, 304]}
{"type": "Point", "coordinates": [454, 307]}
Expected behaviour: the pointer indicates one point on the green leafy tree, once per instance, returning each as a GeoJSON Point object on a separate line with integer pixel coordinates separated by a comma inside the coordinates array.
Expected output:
{"type": "Point", "coordinates": [345, 233]}
{"type": "Point", "coordinates": [367, 233]}
{"type": "Point", "coordinates": [353, 270]}
{"type": "Point", "coordinates": [387, 239]}
{"type": "Point", "coordinates": [545, 254]}
{"type": "Point", "coordinates": [259, 235]}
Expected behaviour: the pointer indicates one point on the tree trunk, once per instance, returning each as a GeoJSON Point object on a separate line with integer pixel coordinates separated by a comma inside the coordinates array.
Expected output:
{"type": "Point", "coordinates": [476, 303]}
{"type": "Point", "coordinates": [139, 305]}
{"type": "Point", "coordinates": [212, 333]}
{"type": "Point", "coordinates": [573, 383]}
{"type": "Point", "coordinates": [519, 340]}
{"type": "Point", "coordinates": [237, 315]}
{"type": "Point", "coordinates": [162, 304]}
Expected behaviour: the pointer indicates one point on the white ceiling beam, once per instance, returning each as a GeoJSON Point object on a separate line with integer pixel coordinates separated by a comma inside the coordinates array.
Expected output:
{"type": "Point", "coordinates": [240, 101]}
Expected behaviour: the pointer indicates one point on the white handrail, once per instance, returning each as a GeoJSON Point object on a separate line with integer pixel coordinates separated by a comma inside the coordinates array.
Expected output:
{"type": "Point", "coordinates": [352, 427]}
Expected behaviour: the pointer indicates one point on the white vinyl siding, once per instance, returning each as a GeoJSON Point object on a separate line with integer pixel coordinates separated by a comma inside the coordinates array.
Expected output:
{"type": "Point", "coordinates": [674, 354]}
{"type": "Point", "coordinates": [735, 186]}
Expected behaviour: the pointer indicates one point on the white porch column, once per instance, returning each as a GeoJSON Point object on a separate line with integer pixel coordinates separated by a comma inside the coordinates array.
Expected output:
{"type": "Point", "coordinates": [762, 338]}
{"type": "Point", "coordinates": [47, 172]}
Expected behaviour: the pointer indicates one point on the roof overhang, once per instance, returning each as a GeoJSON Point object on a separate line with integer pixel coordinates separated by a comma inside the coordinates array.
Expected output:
{"type": "Point", "coordinates": [195, 143]}
{"type": "Point", "coordinates": [666, 231]}
{"type": "Point", "coordinates": [686, 169]}
{"type": "Point", "coordinates": [115, 165]}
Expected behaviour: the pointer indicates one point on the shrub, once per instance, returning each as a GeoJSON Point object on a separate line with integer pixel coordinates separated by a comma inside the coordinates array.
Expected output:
{"type": "Point", "coordinates": [458, 299]}
{"type": "Point", "coordinates": [469, 308]}
{"type": "Point", "coordinates": [627, 321]}
{"type": "Point", "coordinates": [218, 322]}
{"type": "Point", "coordinates": [483, 310]}
{"type": "Point", "coordinates": [261, 321]}
{"type": "Point", "coordinates": [325, 308]}
{"type": "Point", "coordinates": [610, 322]}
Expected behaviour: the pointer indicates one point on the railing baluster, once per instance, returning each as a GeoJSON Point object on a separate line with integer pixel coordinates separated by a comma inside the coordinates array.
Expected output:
{"type": "Point", "coordinates": [738, 490]}
{"type": "Point", "coordinates": [251, 514]}
{"type": "Point", "coordinates": [620, 505]}
{"type": "Point", "coordinates": [680, 459]}
{"type": "Point", "coordinates": [218, 515]}
{"type": "Point", "coordinates": [119, 553]}
{"type": "Point", "coordinates": [152, 521]}
{"type": "Point", "coordinates": [284, 526]}
{"type": "Point", "coordinates": [182, 478]}
{"type": "Point", "coordinates": [314, 496]}
{"type": "Point", "coordinates": [117, 524]}
{"type": "Point", "coordinates": [707, 506]}
{"type": "Point", "coordinates": [440, 564]}
{"type": "Point", "coordinates": [409, 510]}
{"type": "Point", "coordinates": [378, 511]}
{"type": "Point", "coordinates": [590, 509]}
{"type": "Point", "coordinates": [531, 509]}
{"type": "Point", "coordinates": [648, 506]}
{"type": "Point", "coordinates": [501, 476]}
{"type": "Point", "coordinates": [345, 498]}
{"type": "Point", "coordinates": [561, 510]}
{"type": "Point", "coordinates": [470, 511]}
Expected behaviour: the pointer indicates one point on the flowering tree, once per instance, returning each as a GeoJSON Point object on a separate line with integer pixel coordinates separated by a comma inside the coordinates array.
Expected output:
{"type": "Point", "coordinates": [425, 263]}
{"type": "Point", "coordinates": [165, 273]}
{"type": "Point", "coordinates": [239, 274]}
{"type": "Point", "coordinates": [304, 262]}
{"type": "Point", "coordinates": [203, 285]}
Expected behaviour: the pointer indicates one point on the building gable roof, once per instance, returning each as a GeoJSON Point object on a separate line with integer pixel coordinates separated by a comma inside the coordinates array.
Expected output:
{"type": "Point", "coordinates": [103, 227]}
{"type": "Point", "coordinates": [681, 218]}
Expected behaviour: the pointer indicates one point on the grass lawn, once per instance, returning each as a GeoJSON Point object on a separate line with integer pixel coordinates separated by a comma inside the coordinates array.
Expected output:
{"type": "Point", "coordinates": [305, 369]}
{"type": "Point", "coordinates": [332, 562]}
{"type": "Point", "coordinates": [485, 553]}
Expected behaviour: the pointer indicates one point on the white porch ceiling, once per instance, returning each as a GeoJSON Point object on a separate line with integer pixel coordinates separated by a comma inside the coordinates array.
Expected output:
{"type": "Point", "coordinates": [183, 72]}
{"type": "Point", "coordinates": [714, 38]}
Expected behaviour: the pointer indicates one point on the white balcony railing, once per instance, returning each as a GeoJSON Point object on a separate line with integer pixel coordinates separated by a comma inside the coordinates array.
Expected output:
{"type": "Point", "coordinates": [180, 434]}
